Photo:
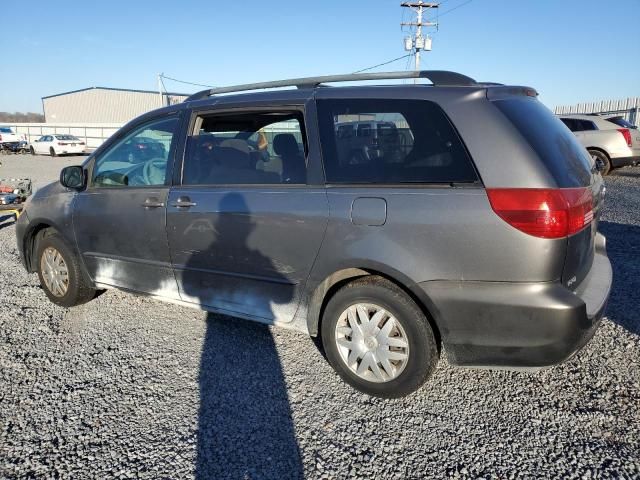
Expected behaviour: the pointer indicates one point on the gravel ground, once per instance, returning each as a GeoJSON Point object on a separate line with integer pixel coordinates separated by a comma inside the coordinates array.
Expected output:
{"type": "Point", "coordinates": [127, 387]}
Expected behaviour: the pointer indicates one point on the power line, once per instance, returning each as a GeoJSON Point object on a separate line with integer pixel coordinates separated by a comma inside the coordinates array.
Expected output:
{"type": "Point", "coordinates": [454, 8]}
{"type": "Point", "coordinates": [381, 64]}
{"type": "Point", "coordinates": [185, 82]}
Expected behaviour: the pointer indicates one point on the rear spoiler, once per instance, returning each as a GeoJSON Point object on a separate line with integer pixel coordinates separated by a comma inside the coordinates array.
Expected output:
{"type": "Point", "coordinates": [497, 92]}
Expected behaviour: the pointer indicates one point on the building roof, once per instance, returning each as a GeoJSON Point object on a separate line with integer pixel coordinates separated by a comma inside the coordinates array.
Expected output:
{"type": "Point", "coordinates": [116, 89]}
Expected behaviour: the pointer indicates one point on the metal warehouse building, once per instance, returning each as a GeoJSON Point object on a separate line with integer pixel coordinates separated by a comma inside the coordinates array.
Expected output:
{"type": "Point", "coordinates": [104, 105]}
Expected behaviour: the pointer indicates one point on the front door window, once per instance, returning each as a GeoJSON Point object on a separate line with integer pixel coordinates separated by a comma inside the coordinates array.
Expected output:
{"type": "Point", "coordinates": [139, 159]}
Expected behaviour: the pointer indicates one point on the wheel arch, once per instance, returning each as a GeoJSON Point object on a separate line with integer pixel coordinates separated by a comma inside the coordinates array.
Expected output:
{"type": "Point", "coordinates": [601, 150]}
{"type": "Point", "coordinates": [30, 242]}
{"type": "Point", "coordinates": [323, 292]}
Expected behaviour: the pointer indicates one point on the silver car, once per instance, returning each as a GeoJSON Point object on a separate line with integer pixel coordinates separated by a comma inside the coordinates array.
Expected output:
{"type": "Point", "coordinates": [610, 145]}
{"type": "Point", "coordinates": [620, 124]}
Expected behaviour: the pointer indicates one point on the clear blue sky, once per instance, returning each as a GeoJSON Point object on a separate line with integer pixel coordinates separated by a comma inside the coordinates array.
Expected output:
{"type": "Point", "coordinates": [570, 50]}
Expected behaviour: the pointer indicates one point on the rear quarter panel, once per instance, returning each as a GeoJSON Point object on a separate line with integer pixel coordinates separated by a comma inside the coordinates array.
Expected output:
{"type": "Point", "coordinates": [611, 141]}
{"type": "Point", "coordinates": [438, 233]}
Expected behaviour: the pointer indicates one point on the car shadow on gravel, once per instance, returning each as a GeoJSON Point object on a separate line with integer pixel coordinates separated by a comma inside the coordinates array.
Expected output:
{"type": "Point", "coordinates": [623, 248]}
{"type": "Point", "coordinates": [245, 426]}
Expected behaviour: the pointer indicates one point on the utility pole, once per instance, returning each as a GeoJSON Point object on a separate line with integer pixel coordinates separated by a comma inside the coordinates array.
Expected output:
{"type": "Point", "coordinates": [418, 42]}
{"type": "Point", "coordinates": [160, 90]}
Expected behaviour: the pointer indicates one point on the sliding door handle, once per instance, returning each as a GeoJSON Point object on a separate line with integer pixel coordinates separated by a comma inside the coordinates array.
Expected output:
{"type": "Point", "coordinates": [183, 202]}
{"type": "Point", "coordinates": [152, 203]}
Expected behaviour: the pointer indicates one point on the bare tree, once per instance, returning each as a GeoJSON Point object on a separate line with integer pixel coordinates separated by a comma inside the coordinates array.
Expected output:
{"type": "Point", "coordinates": [19, 117]}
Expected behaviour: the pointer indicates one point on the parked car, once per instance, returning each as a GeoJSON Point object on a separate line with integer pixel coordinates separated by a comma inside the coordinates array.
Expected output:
{"type": "Point", "coordinates": [142, 149]}
{"type": "Point", "coordinates": [634, 133]}
{"type": "Point", "coordinates": [609, 145]}
{"type": "Point", "coordinates": [9, 141]}
{"type": "Point", "coordinates": [57, 144]}
{"type": "Point", "coordinates": [477, 239]}
{"type": "Point", "coordinates": [362, 141]}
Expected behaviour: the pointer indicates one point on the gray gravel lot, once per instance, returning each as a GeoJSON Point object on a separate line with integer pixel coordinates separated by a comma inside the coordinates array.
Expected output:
{"type": "Point", "coordinates": [127, 387]}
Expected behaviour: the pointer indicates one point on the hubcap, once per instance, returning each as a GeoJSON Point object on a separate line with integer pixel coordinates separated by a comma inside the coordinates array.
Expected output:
{"type": "Point", "coordinates": [372, 342]}
{"type": "Point", "coordinates": [54, 272]}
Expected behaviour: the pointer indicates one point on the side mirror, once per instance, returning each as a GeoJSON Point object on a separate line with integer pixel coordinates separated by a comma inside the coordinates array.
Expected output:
{"type": "Point", "coordinates": [73, 177]}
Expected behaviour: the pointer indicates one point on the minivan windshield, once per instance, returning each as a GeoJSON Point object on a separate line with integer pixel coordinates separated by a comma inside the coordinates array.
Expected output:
{"type": "Point", "coordinates": [565, 158]}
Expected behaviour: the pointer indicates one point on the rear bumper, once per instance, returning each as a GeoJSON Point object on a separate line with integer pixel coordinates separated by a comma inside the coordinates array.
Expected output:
{"type": "Point", "coordinates": [71, 151]}
{"type": "Point", "coordinates": [624, 161]}
{"type": "Point", "coordinates": [519, 325]}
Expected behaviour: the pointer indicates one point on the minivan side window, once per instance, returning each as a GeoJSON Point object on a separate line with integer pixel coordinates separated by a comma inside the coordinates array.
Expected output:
{"type": "Point", "coordinates": [409, 141]}
{"type": "Point", "coordinates": [571, 124]}
{"type": "Point", "coordinates": [248, 148]}
{"type": "Point", "coordinates": [138, 159]}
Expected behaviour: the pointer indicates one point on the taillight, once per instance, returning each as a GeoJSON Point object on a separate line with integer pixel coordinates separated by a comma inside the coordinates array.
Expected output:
{"type": "Point", "coordinates": [544, 212]}
{"type": "Point", "coordinates": [626, 134]}
{"type": "Point", "coordinates": [0, 138]}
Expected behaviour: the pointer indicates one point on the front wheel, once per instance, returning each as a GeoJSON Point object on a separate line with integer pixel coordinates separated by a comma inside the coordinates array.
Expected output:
{"type": "Point", "coordinates": [602, 161]}
{"type": "Point", "coordinates": [52, 152]}
{"type": "Point", "coordinates": [33, 152]}
{"type": "Point", "coordinates": [377, 339]}
{"type": "Point", "coordinates": [59, 272]}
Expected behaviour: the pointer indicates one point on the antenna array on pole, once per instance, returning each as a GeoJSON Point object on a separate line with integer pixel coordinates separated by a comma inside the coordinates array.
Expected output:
{"type": "Point", "coordinates": [417, 43]}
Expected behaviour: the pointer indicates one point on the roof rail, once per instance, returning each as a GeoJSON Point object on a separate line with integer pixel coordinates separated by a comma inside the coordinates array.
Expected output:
{"type": "Point", "coordinates": [437, 77]}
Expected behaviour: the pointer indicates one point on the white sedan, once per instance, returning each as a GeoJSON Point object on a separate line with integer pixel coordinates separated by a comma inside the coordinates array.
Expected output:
{"type": "Point", "coordinates": [58, 144]}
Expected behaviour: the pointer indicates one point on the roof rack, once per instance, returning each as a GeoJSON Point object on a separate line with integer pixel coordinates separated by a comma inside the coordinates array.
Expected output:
{"type": "Point", "coordinates": [437, 77]}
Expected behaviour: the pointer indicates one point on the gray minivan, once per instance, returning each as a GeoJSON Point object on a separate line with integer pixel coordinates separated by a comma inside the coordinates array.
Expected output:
{"type": "Point", "coordinates": [475, 236]}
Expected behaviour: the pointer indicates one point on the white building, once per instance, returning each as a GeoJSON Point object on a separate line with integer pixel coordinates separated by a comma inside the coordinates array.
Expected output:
{"type": "Point", "coordinates": [104, 105]}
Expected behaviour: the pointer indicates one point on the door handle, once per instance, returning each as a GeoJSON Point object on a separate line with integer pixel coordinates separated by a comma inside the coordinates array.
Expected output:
{"type": "Point", "coordinates": [183, 202]}
{"type": "Point", "coordinates": [152, 203]}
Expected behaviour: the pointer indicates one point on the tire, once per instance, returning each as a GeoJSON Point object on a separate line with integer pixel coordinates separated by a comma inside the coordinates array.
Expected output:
{"type": "Point", "coordinates": [78, 288]}
{"type": "Point", "coordinates": [52, 152]}
{"type": "Point", "coordinates": [33, 152]}
{"type": "Point", "coordinates": [602, 158]}
{"type": "Point", "coordinates": [420, 354]}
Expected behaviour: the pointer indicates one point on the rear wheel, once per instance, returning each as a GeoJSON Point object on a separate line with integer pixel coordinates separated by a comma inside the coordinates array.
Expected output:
{"type": "Point", "coordinates": [59, 272]}
{"type": "Point", "coordinates": [377, 339]}
{"type": "Point", "coordinates": [602, 161]}
{"type": "Point", "coordinates": [52, 152]}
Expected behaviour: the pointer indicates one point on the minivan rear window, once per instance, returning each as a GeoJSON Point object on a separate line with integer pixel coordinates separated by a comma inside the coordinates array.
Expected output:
{"type": "Point", "coordinates": [621, 122]}
{"type": "Point", "coordinates": [564, 157]}
{"type": "Point", "coordinates": [396, 142]}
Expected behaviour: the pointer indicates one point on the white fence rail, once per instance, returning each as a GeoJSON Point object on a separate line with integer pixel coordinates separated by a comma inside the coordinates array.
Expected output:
{"type": "Point", "coordinates": [93, 134]}
{"type": "Point", "coordinates": [629, 108]}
